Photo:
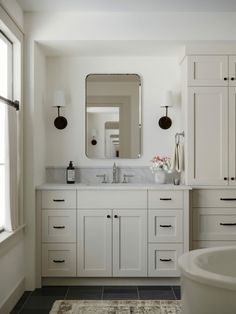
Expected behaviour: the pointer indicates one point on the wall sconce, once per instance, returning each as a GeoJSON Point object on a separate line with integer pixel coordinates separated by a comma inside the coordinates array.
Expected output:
{"type": "Point", "coordinates": [165, 122]}
{"type": "Point", "coordinates": [59, 101]}
{"type": "Point", "coordinates": [94, 137]}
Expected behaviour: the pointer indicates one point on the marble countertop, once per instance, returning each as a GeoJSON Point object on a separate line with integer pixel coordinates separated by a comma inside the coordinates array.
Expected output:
{"type": "Point", "coordinates": [109, 186]}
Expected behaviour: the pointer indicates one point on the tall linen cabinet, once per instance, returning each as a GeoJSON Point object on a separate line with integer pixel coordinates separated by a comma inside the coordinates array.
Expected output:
{"type": "Point", "coordinates": [209, 108]}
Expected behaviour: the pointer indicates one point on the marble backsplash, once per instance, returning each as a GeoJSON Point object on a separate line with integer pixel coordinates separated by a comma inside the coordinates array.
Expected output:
{"type": "Point", "coordinates": [87, 175]}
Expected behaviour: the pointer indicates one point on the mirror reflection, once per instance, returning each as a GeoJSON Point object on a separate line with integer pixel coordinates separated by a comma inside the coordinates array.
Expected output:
{"type": "Point", "coordinates": [113, 116]}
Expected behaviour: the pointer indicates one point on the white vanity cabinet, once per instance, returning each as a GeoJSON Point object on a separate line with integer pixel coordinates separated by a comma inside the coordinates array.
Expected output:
{"type": "Point", "coordinates": [167, 231]}
{"type": "Point", "coordinates": [209, 101]}
{"type": "Point", "coordinates": [112, 233]}
{"type": "Point", "coordinates": [214, 217]}
{"type": "Point", "coordinates": [58, 230]}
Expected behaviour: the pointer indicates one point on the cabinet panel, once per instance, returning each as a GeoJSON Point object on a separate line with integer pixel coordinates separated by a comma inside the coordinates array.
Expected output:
{"type": "Point", "coordinates": [165, 199]}
{"type": "Point", "coordinates": [207, 70]}
{"type": "Point", "coordinates": [94, 243]}
{"type": "Point", "coordinates": [207, 135]}
{"type": "Point", "coordinates": [111, 199]}
{"type": "Point", "coordinates": [59, 260]}
{"type": "Point", "coordinates": [214, 224]}
{"type": "Point", "coordinates": [163, 259]}
{"type": "Point", "coordinates": [214, 198]}
{"type": "Point", "coordinates": [232, 135]}
{"type": "Point", "coordinates": [165, 226]}
{"type": "Point", "coordinates": [129, 243]}
{"type": "Point", "coordinates": [232, 70]}
{"type": "Point", "coordinates": [59, 225]}
{"type": "Point", "coordinates": [59, 199]}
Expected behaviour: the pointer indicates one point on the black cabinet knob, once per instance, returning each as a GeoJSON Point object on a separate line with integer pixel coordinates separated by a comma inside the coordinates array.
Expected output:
{"type": "Point", "coordinates": [232, 178]}
{"type": "Point", "coordinates": [225, 78]}
{"type": "Point", "coordinates": [108, 216]}
{"type": "Point", "coordinates": [225, 178]}
{"type": "Point", "coordinates": [232, 78]}
{"type": "Point", "coordinates": [115, 216]}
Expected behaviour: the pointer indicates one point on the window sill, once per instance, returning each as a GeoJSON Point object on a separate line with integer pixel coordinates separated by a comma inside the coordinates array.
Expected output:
{"type": "Point", "coordinates": [7, 237]}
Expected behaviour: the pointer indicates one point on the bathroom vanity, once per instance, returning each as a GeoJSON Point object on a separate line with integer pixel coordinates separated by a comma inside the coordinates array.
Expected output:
{"type": "Point", "coordinates": [111, 231]}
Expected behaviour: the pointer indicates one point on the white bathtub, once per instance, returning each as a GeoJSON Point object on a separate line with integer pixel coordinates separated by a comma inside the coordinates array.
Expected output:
{"type": "Point", "coordinates": [208, 281]}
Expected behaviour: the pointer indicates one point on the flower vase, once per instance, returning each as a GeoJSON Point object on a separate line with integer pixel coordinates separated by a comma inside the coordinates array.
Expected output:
{"type": "Point", "coordinates": [160, 176]}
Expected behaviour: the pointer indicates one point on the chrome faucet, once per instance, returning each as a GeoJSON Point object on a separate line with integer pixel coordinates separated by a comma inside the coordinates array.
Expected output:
{"type": "Point", "coordinates": [115, 173]}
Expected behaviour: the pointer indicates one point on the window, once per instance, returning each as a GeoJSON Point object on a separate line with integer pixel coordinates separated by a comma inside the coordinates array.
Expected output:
{"type": "Point", "coordinates": [6, 68]}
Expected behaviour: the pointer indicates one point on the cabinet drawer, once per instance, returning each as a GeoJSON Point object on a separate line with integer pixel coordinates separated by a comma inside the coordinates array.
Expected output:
{"type": "Point", "coordinates": [165, 225]}
{"type": "Point", "coordinates": [214, 224]}
{"type": "Point", "coordinates": [214, 198]}
{"type": "Point", "coordinates": [59, 225]}
{"type": "Point", "coordinates": [59, 199]}
{"type": "Point", "coordinates": [59, 260]}
{"type": "Point", "coordinates": [165, 199]}
{"type": "Point", "coordinates": [208, 244]}
{"type": "Point", "coordinates": [112, 199]}
{"type": "Point", "coordinates": [163, 259]}
{"type": "Point", "coordinates": [207, 70]}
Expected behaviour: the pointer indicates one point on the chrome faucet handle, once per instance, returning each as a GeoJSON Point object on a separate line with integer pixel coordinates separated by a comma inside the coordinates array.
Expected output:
{"type": "Point", "coordinates": [102, 176]}
{"type": "Point", "coordinates": [126, 176]}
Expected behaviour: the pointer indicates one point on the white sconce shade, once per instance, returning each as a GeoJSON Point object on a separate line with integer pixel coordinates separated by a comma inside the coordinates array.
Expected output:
{"type": "Point", "coordinates": [59, 98]}
{"type": "Point", "coordinates": [168, 99]}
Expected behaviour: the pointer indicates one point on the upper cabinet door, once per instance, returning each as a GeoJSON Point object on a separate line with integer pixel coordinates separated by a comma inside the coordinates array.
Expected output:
{"type": "Point", "coordinates": [232, 135]}
{"type": "Point", "coordinates": [208, 71]}
{"type": "Point", "coordinates": [130, 243]}
{"type": "Point", "coordinates": [232, 71]}
{"type": "Point", "coordinates": [207, 149]}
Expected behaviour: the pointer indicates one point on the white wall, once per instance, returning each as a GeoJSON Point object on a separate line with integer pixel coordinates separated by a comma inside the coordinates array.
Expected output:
{"type": "Point", "coordinates": [39, 116]}
{"type": "Point", "coordinates": [12, 268]}
{"type": "Point", "coordinates": [158, 75]}
{"type": "Point", "coordinates": [132, 26]}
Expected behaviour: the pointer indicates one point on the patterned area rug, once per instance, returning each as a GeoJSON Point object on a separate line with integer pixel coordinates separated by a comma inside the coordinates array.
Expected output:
{"type": "Point", "coordinates": [116, 307]}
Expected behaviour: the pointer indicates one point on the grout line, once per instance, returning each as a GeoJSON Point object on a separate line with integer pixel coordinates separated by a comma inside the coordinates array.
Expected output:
{"type": "Point", "coordinates": [138, 293]}
{"type": "Point", "coordinates": [66, 294]}
{"type": "Point", "coordinates": [25, 301]}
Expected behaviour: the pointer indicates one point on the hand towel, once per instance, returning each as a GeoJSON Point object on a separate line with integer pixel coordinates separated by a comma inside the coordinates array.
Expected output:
{"type": "Point", "coordinates": [177, 160]}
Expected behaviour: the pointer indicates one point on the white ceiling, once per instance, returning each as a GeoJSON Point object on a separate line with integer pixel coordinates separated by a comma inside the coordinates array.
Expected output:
{"type": "Point", "coordinates": [129, 5]}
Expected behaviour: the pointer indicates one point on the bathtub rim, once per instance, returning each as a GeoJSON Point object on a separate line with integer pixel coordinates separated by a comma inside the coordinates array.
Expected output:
{"type": "Point", "coordinates": [191, 270]}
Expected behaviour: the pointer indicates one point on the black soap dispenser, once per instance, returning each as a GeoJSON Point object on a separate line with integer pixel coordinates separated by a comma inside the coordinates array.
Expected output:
{"type": "Point", "coordinates": [70, 173]}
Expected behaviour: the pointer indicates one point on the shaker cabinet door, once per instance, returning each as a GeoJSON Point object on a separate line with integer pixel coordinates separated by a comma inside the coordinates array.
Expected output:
{"type": "Point", "coordinates": [207, 149]}
{"type": "Point", "coordinates": [94, 234]}
{"type": "Point", "coordinates": [232, 70]}
{"type": "Point", "coordinates": [232, 135]}
{"type": "Point", "coordinates": [208, 71]}
{"type": "Point", "coordinates": [129, 243]}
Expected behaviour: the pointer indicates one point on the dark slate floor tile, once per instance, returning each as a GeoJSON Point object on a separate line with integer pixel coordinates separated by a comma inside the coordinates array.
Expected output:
{"type": "Point", "coordinates": [120, 293]}
{"type": "Point", "coordinates": [156, 293]}
{"type": "Point", "coordinates": [40, 302]}
{"type": "Point", "coordinates": [34, 311]}
{"type": "Point", "coordinates": [177, 292]}
{"type": "Point", "coordinates": [21, 302]}
{"type": "Point", "coordinates": [84, 293]}
{"type": "Point", "coordinates": [51, 291]}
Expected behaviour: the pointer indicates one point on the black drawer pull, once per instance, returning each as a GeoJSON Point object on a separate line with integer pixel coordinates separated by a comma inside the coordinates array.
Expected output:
{"type": "Point", "coordinates": [58, 261]}
{"type": "Point", "coordinates": [228, 199]}
{"type": "Point", "coordinates": [165, 226]}
{"type": "Point", "coordinates": [228, 223]}
{"type": "Point", "coordinates": [58, 200]}
{"type": "Point", "coordinates": [59, 227]}
{"type": "Point", "coordinates": [165, 259]}
{"type": "Point", "coordinates": [165, 199]}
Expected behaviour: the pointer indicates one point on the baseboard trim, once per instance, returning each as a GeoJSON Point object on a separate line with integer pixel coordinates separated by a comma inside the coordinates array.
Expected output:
{"type": "Point", "coordinates": [13, 297]}
{"type": "Point", "coordinates": [111, 281]}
